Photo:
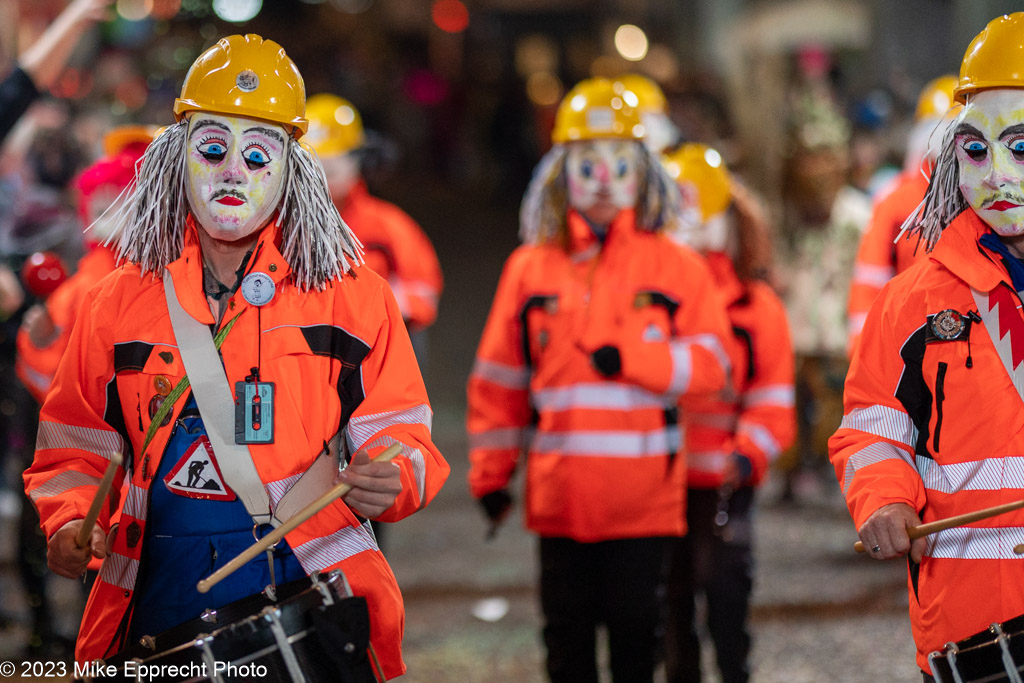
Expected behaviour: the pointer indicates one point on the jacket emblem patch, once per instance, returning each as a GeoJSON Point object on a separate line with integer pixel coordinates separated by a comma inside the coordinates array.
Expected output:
{"type": "Point", "coordinates": [653, 333]}
{"type": "Point", "coordinates": [197, 474]}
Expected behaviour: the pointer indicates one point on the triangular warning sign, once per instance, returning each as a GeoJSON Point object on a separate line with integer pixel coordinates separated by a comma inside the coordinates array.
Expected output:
{"type": "Point", "coordinates": [197, 474]}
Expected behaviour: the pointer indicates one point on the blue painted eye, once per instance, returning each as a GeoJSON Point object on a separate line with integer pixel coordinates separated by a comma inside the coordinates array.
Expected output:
{"type": "Point", "coordinates": [256, 157]}
{"type": "Point", "coordinates": [621, 168]}
{"type": "Point", "coordinates": [1017, 147]}
{"type": "Point", "coordinates": [213, 151]}
{"type": "Point", "coordinates": [976, 150]}
{"type": "Point", "coordinates": [587, 169]}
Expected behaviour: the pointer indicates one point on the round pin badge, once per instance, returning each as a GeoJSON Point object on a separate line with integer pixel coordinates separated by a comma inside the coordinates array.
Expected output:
{"type": "Point", "coordinates": [247, 80]}
{"type": "Point", "coordinates": [947, 324]}
{"type": "Point", "coordinates": [258, 288]}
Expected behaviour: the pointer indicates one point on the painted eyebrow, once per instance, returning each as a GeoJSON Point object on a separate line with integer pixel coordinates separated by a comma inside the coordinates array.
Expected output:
{"type": "Point", "coordinates": [968, 129]}
{"type": "Point", "coordinates": [269, 132]}
{"type": "Point", "coordinates": [202, 123]}
{"type": "Point", "coordinates": [1015, 129]}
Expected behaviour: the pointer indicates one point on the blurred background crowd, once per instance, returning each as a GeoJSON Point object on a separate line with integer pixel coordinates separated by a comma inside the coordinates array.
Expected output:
{"type": "Point", "coordinates": [810, 102]}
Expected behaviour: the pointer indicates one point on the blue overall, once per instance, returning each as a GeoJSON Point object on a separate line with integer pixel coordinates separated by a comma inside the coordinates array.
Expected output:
{"type": "Point", "coordinates": [187, 539]}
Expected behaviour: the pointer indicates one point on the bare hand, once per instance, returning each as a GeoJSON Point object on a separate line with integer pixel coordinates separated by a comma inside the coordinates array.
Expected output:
{"type": "Point", "coordinates": [39, 326]}
{"type": "Point", "coordinates": [11, 293]}
{"type": "Point", "coordinates": [375, 485]}
{"type": "Point", "coordinates": [66, 558]}
{"type": "Point", "coordinates": [886, 529]}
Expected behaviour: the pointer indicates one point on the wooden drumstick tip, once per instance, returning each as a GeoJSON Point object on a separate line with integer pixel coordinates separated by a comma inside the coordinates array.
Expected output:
{"type": "Point", "coordinates": [1019, 548]}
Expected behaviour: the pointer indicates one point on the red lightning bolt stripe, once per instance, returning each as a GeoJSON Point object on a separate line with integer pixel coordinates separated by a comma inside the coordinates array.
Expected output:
{"type": "Point", "coordinates": [1010, 322]}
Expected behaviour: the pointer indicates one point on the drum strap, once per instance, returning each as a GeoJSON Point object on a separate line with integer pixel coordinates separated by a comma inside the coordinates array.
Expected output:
{"type": "Point", "coordinates": [213, 396]}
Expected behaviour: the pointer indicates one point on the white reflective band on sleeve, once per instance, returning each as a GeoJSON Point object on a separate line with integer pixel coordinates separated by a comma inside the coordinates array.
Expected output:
{"type": "Point", "coordinates": [361, 428]}
{"type": "Point", "coordinates": [888, 423]}
{"type": "Point", "coordinates": [419, 466]}
{"type": "Point", "coordinates": [508, 376]}
{"type": "Point", "coordinates": [609, 444]}
{"type": "Point", "coordinates": [598, 396]}
{"type": "Point", "coordinates": [855, 323]}
{"type": "Point", "coordinates": [65, 481]}
{"type": "Point", "coordinates": [762, 438]}
{"type": "Point", "coordinates": [783, 395]}
{"type": "Point", "coordinates": [38, 380]}
{"type": "Point", "coordinates": [712, 344]}
{"type": "Point", "coordinates": [708, 462]}
{"type": "Point", "coordinates": [101, 442]}
{"type": "Point", "coordinates": [872, 275]}
{"type": "Point", "coordinates": [976, 543]}
{"type": "Point", "coordinates": [682, 367]}
{"type": "Point", "coordinates": [990, 474]}
{"type": "Point", "coordinates": [508, 437]}
{"type": "Point", "coordinates": [119, 570]}
{"type": "Point", "coordinates": [135, 502]}
{"type": "Point", "coordinates": [320, 553]}
{"type": "Point", "coordinates": [869, 455]}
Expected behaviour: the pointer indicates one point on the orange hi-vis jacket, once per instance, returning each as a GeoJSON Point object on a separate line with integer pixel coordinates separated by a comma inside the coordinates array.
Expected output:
{"type": "Point", "coordinates": [339, 358]}
{"type": "Point", "coordinates": [879, 257]}
{"type": "Point", "coordinates": [36, 365]}
{"type": "Point", "coordinates": [756, 415]}
{"type": "Point", "coordinates": [601, 461]}
{"type": "Point", "coordinates": [399, 251]}
{"type": "Point", "coordinates": [934, 418]}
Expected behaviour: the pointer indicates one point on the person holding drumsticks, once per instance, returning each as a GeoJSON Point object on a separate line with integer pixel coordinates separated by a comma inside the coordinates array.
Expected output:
{"type": "Point", "coordinates": [933, 402]}
{"type": "Point", "coordinates": [240, 347]}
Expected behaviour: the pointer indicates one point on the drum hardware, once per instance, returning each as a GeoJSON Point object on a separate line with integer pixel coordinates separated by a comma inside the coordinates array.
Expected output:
{"type": "Point", "coordinates": [148, 642]}
{"type": "Point", "coordinates": [271, 591]}
{"type": "Point", "coordinates": [209, 616]}
{"type": "Point", "coordinates": [989, 656]}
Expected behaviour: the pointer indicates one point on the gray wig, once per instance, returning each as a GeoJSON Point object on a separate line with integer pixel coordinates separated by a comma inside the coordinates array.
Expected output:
{"type": "Point", "coordinates": [542, 215]}
{"type": "Point", "coordinates": [150, 224]}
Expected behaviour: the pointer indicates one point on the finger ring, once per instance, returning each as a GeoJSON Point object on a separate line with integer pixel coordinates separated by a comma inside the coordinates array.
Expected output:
{"type": "Point", "coordinates": [876, 548]}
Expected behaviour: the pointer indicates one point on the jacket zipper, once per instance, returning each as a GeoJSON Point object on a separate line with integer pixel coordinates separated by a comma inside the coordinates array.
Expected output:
{"type": "Point", "coordinates": [940, 396]}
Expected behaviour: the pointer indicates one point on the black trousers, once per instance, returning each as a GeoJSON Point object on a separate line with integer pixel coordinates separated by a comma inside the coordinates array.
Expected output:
{"type": "Point", "coordinates": [616, 583]}
{"type": "Point", "coordinates": [717, 563]}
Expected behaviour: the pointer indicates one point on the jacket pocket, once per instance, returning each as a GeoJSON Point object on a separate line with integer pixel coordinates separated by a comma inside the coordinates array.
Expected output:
{"type": "Point", "coordinates": [940, 396]}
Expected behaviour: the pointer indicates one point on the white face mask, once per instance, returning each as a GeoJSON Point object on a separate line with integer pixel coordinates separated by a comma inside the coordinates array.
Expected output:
{"type": "Point", "coordinates": [236, 171]}
{"type": "Point", "coordinates": [602, 177]}
{"type": "Point", "coordinates": [990, 153]}
{"type": "Point", "coordinates": [342, 172]}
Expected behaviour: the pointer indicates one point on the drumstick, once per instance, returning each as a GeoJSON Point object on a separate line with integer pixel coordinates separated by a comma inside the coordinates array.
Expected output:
{"type": "Point", "coordinates": [298, 518]}
{"type": "Point", "coordinates": [950, 522]}
{"type": "Point", "coordinates": [82, 539]}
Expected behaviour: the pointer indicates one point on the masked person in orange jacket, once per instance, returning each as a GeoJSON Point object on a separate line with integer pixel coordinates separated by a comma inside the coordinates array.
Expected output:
{"type": "Point", "coordinates": [732, 438]}
{"type": "Point", "coordinates": [396, 248]}
{"type": "Point", "coordinates": [933, 399]}
{"type": "Point", "coordinates": [881, 255]}
{"type": "Point", "coordinates": [230, 229]}
{"type": "Point", "coordinates": [46, 328]}
{"type": "Point", "coordinates": [598, 325]}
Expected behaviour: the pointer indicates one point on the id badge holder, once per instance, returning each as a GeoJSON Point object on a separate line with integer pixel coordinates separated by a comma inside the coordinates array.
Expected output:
{"type": "Point", "coordinates": [254, 412]}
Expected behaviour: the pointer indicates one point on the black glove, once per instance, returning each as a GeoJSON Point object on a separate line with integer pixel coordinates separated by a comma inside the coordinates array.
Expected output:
{"type": "Point", "coordinates": [744, 468]}
{"type": "Point", "coordinates": [607, 361]}
{"type": "Point", "coordinates": [496, 505]}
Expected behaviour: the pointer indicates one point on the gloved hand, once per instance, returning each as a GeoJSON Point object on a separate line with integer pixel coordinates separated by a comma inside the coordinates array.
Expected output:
{"type": "Point", "coordinates": [607, 360]}
{"type": "Point", "coordinates": [496, 505]}
{"type": "Point", "coordinates": [737, 470]}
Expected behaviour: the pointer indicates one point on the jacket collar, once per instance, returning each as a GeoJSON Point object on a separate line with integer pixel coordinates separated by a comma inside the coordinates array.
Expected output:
{"type": "Point", "coordinates": [728, 283]}
{"type": "Point", "coordinates": [582, 237]}
{"type": "Point", "coordinates": [187, 269]}
{"type": "Point", "coordinates": [958, 250]}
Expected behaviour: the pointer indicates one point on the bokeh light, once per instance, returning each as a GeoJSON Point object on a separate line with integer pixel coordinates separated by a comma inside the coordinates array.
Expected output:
{"type": "Point", "coordinates": [134, 10]}
{"type": "Point", "coordinates": [631, 42]}
{"type": "Point", "coordinates": [237, 11]}
{"type": "Point", "coordinates": [451, 16]}
{"type": "Point", "coordinates": [544, 89]}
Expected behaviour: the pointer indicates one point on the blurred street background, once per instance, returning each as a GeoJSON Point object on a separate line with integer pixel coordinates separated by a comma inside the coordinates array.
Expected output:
{"type": "Point", "coordinates": [459, 98]}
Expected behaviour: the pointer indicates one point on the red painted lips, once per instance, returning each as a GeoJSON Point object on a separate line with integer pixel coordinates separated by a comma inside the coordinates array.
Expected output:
{"type": "Point", "coordinates": [1003, 205]}
{"type": "Point", "coordinates": [230, 200]}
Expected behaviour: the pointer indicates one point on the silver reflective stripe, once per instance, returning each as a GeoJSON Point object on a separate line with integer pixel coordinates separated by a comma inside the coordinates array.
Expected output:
{"type": "Point", "coordinates": [712, 344]}
{"type": "Point", "coordinates": [39, 381]}
{"type": "Point", "coordinates": [875, 276]}
{"type": "Point", "coordinates": [508, 376]}
{"type": "Point", "coordinates": [508, 437]}
{"type": "Point", "coordinates": [711, 462]}
{"type": "Point", "coordinates": [277, 489]}
{"type": "Point", "coordinates": [361, 428]}
{"type": "Point", "coordinates": [990, 474]}
{"type": "Point", "coordinates": [762, 438]}
{"type": "Point", "coordinates": [608, 444]}
{"type": "Point", "coordinates": [135, 502]}
{"type": "Point", "coordinates": [119, 570]}
{"type": "Point", "coordinates": [888, 423]}
{"type": "Point", "coordinates": [682, 367]}
{"type": "Point", "coordinates": [598, 396]}
{"type": "Point", "coordinates": [320, 553]}
{"type": "Point", "coordinates": [101, 442]}
{"type": "Point", "coordinates": [974, 543]}
{"type": "Point", "coordinates": [414, 455]}
{"type": "Point", "coordinates": [869, 455]}
{"type": "Point", "coordinates": [783, 395]}
{"type": "Point", "coordinates": [65, 481]}
{"type": "Point", "coordinates": [855, 323]}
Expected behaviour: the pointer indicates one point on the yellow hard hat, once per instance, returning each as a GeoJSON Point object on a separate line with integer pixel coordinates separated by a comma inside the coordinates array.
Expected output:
{"type": "Point", "coordinates": [648, 93]}
{"type": "Point", "coordinates": [246, 76]}
{"type": "Point", "coordinates": [702, 167]}
{"type": "Point", "coordinates": [335, 126]}
{"type": "Point", "coordinates": [936, 97]}
{"type": "Point", "coordinates": [597, 108]}
{"type": "Point", "coordinates": [995, 58]}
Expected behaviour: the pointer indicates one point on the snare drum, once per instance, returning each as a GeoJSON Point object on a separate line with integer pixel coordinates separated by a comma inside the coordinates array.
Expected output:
{"type": "Point", "coordinates": [308, 631]}
{"type": "Point", "coordinates": [995, 654]}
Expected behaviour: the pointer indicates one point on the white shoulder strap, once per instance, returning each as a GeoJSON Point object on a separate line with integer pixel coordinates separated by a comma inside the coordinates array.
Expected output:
{"type": "Point", "coordinates": [216, 406]}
